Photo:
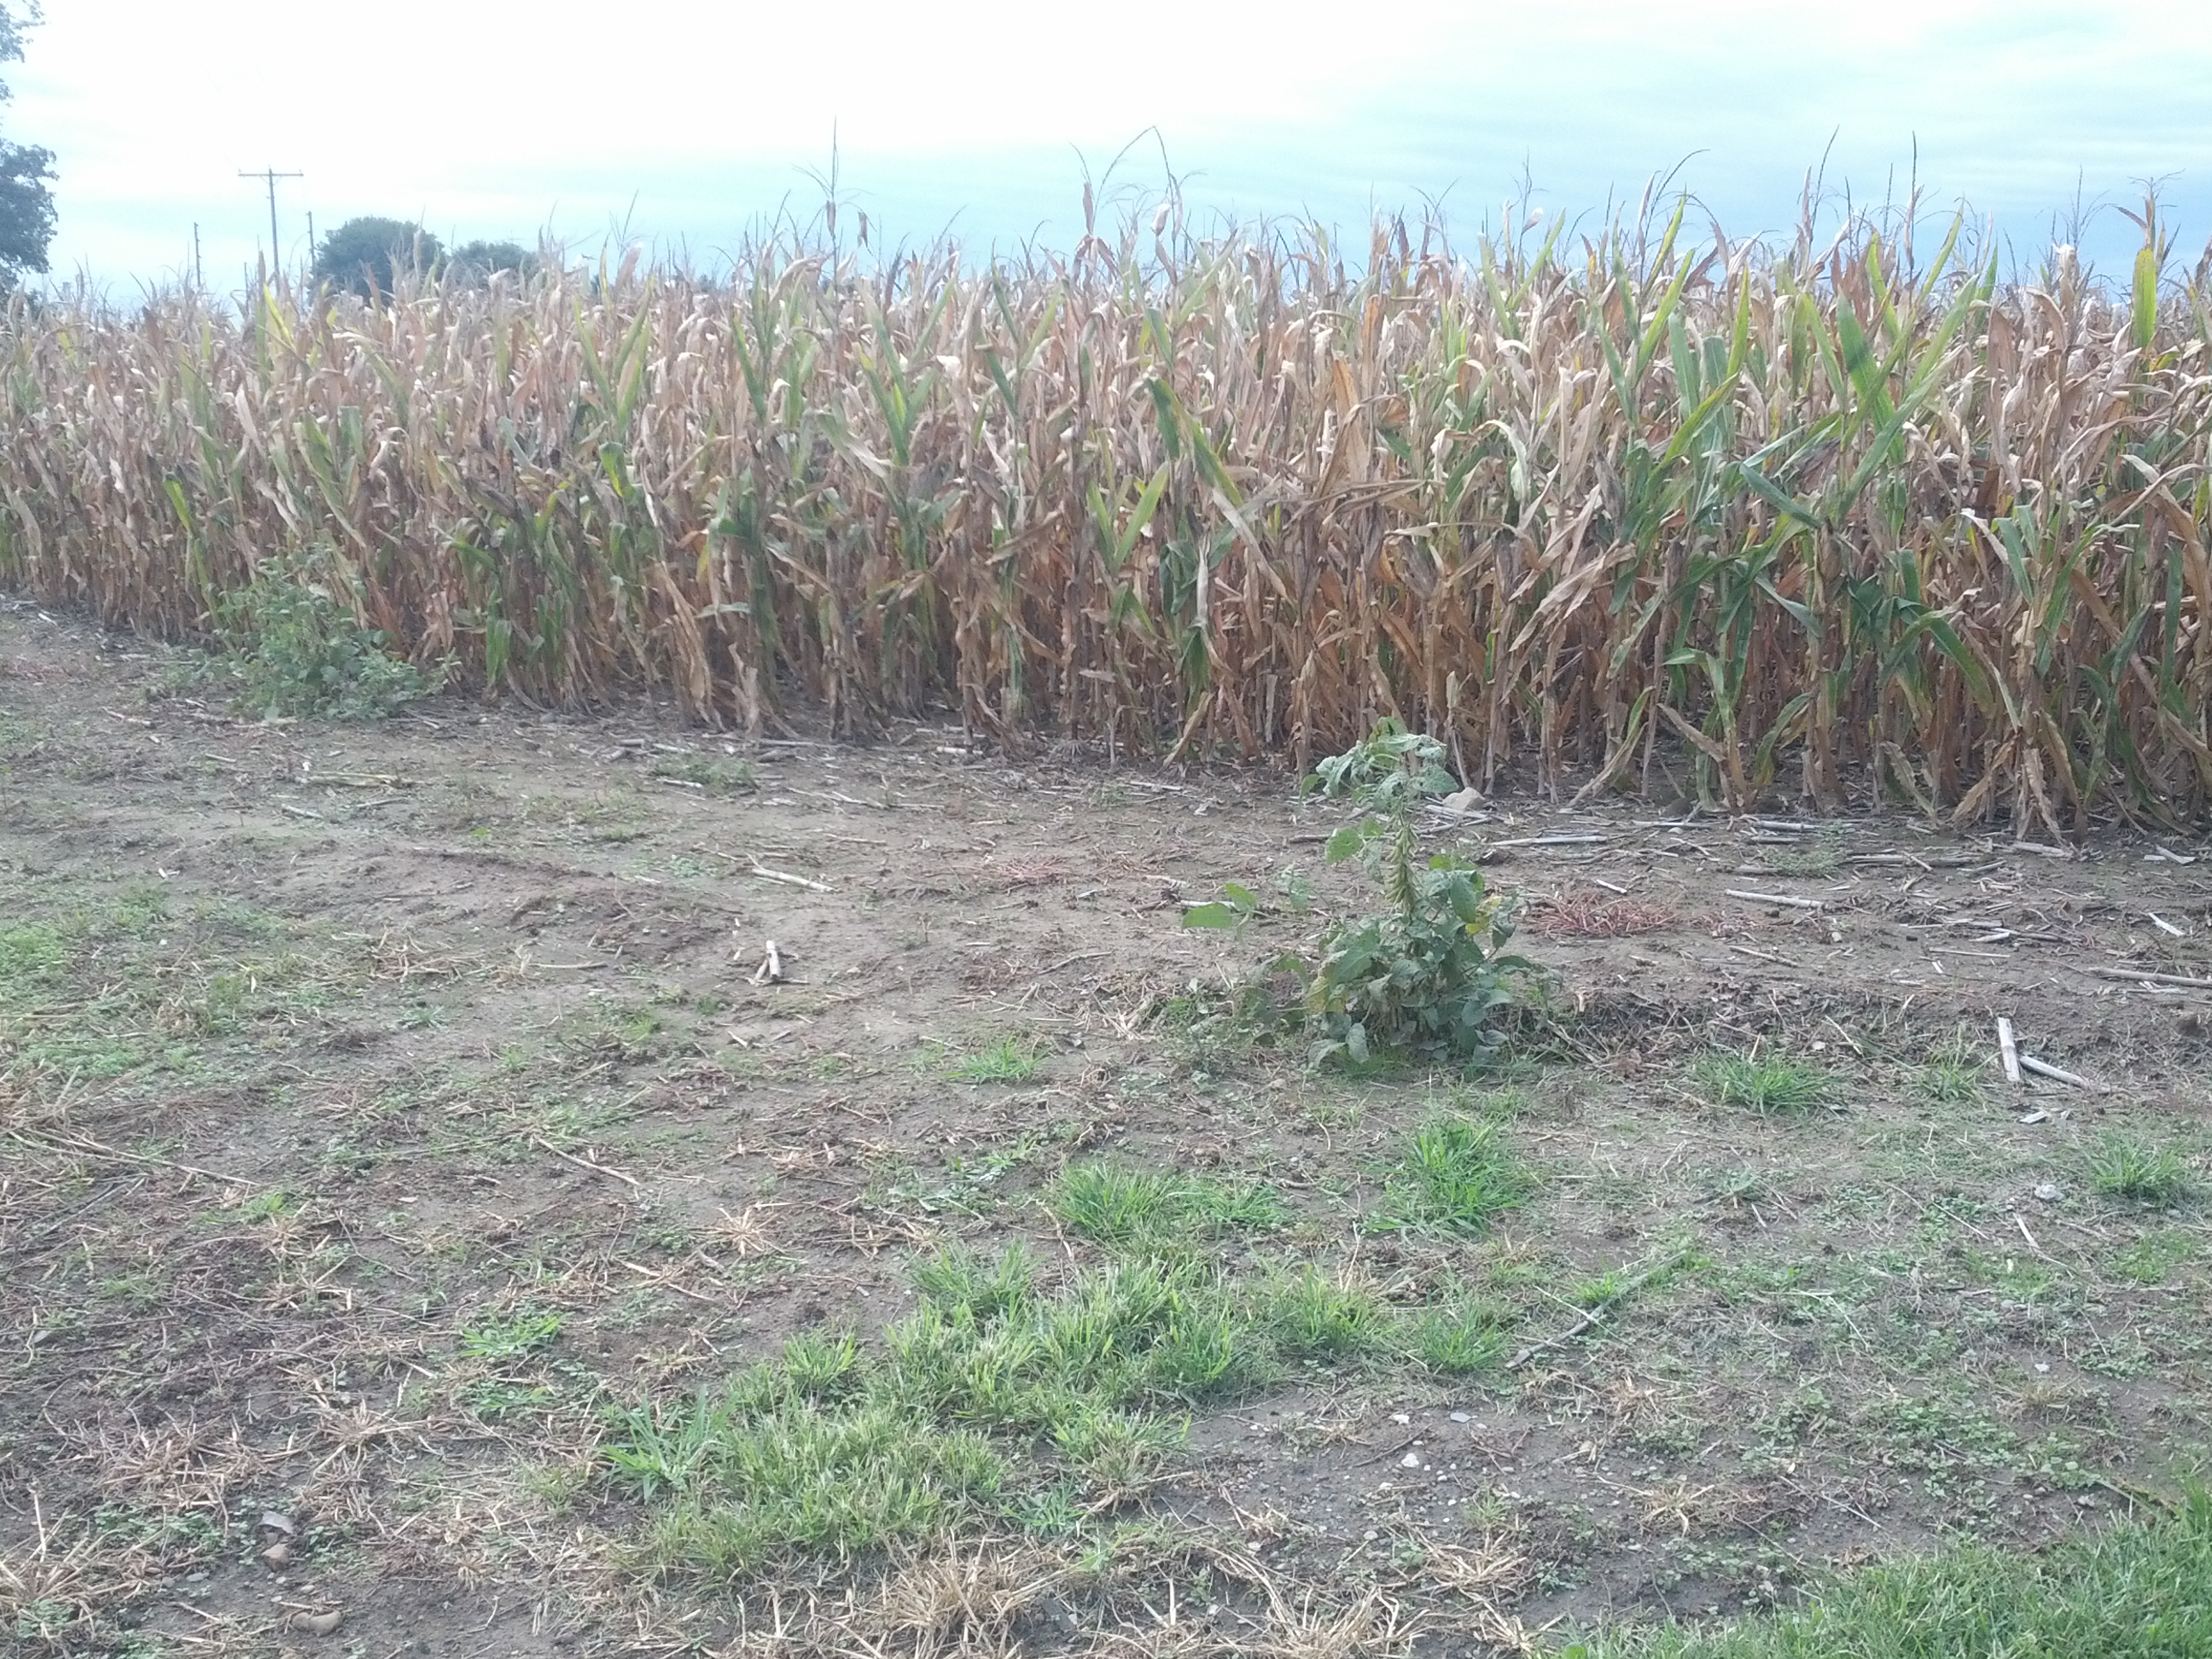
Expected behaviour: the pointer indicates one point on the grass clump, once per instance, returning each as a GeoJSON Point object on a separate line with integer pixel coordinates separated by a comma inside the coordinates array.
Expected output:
{"type": "Point", "coordinates": [1764, 1084]}
{"type": "Point", "coordinates": [1822, 856]}
{"type": "Point", "coordinates": [961, 1281]}
{"type": "Point", "coordinates": [1008, 1059]}
{"type": "Point", "coordinates": [1117, 1449]}
{"type": "Point", "coordinates": [1458, 1340]}
{"type": "Point", "coordinates": [2123, 1169]}
{"type": "Point", "coordinates": [1115, 1204]}
{"type": "Point", "coordinates": [1456, 1176]}
{"type": "Point", "coordinates": [505, 1341]}
{"type": "Point", "coordinates": [2137, 1590]}
{"type": "Point", "coordinates": [1953, 1075]}
{"type": "Point", "coordinates": [1312, 1316]}
{"type": "Point", "coordinates": [1109, 1203]}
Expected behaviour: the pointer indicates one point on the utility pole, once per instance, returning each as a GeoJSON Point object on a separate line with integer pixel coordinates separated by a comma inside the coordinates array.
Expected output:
{"type": "Point", "coordinates": [271, 176]}
{"type": "Point", "coordinates": [311, 239]}
{"type": "Point", "coordinates": [199, 277]}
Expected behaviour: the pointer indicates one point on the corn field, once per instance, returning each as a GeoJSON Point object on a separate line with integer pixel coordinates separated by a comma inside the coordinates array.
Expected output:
{"type": "Point", "coordinates": [1595, 511]}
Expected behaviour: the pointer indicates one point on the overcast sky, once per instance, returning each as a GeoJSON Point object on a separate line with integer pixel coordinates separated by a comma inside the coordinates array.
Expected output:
{"type": "Point", "coordinates": [682, 122]}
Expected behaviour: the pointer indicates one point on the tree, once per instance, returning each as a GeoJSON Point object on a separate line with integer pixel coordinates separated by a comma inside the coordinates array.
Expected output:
{"type": "Point", "coordinates": [475, 262]}
{"type": "Point", "coordinates": [364, 253]}
{"type": "Point", "coordinates": [27, 205]}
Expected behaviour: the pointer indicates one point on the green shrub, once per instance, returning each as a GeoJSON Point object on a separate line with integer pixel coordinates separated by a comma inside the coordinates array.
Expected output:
{"type": "Point", "coordinates": [1428, 975]}
{"type": "Point", "coordinates": [294, 647]}
{"type": "Point", "coordinates": [1388, 771]}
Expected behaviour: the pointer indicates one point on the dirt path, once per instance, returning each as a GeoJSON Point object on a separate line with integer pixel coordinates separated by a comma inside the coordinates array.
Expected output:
{"type": "Point", "coordinates": [384, 1110]}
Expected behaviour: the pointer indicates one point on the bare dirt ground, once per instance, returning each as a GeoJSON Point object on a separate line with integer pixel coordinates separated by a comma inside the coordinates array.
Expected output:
{"type": "Point", "coordinates": [385, 1108]}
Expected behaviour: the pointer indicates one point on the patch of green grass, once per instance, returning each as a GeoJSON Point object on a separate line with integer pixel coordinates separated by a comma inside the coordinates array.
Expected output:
{"type": "Point", "coordinates": [822, 1365]}
{"type": "Point", "coordinates": [1310, 1315]}
{"type": "Point", "coordinates": [1008, 1059]}
{"type": "Point", "coordinates": [493, 1398]}
{"type": "Point", "coordinates": [174, 1538]}
{"type": "Point", "coordinates": [1458, 1340]}
{"type": "Point", "coordinates": [1936, 1435]}
{"type": "Point", "coordinates": [2152, 1259]}
{"type": "Point", "coordinates": [1763, 1084]}
{"type": "Point", "coordinates": [994, 1399]}
{"type": "Point", "coordinates": [1115, 1205]}
{"type": "Point", "coordinates": [141, 1289]}
{"type": "Point", "coordinates": [1000, 1399]}
{"type": "Point", "coordinates": [521, 1335]}
{"type": "Point", "coordinates": [102, 987]}
{"type": "Point", "coordinates": [33, 956]}
{"type": "Point", "coordinates": [969, 1185]}
{"type": "Point", "coordinates": [634, 1035]}
{"type": "Point", "coordinates": [1111, 1203]}
{"type": "Point", "coordinates": [1218, 1207]}
{"type": "Point", "coordinates": [1600, 1290]}
{"type": "Point", "coordinates": [2135, 1590]}
{"type": "Point", "coordinates": [962, 1281]}
{"type": "Point", "coordinates": [1115, 1449]}
{"type": "Point", "coordinates": [753, 1484]}
{"type": "Point", "coordinates": [508, 1350]}
{"type": "Point", "coordinates": [1055, 1510]}
{"type": "Point", "coordinates": [262, 1206]}
{"type": "Point", "coordinates": [2123, 1169]}
{"type": "Point", "coordinates": [1456, 1176]}
{"type": "Point", "coordinates": [1953, 1074]}
{"type": "Point", "coordinates": [139, 908]}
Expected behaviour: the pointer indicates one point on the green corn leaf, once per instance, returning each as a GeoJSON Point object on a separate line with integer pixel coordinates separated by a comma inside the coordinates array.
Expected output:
{"type": "Point", "coordinates": [1773, 495]}
{"type": "Point", "coordinates": [1687, 391]}
{"type": "Point", "coordinates": [2142, 315]}
{"type": "Point", "coordinates": [1860, 366]}
{"type": "Point", "coordinates": [1169, 416]}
